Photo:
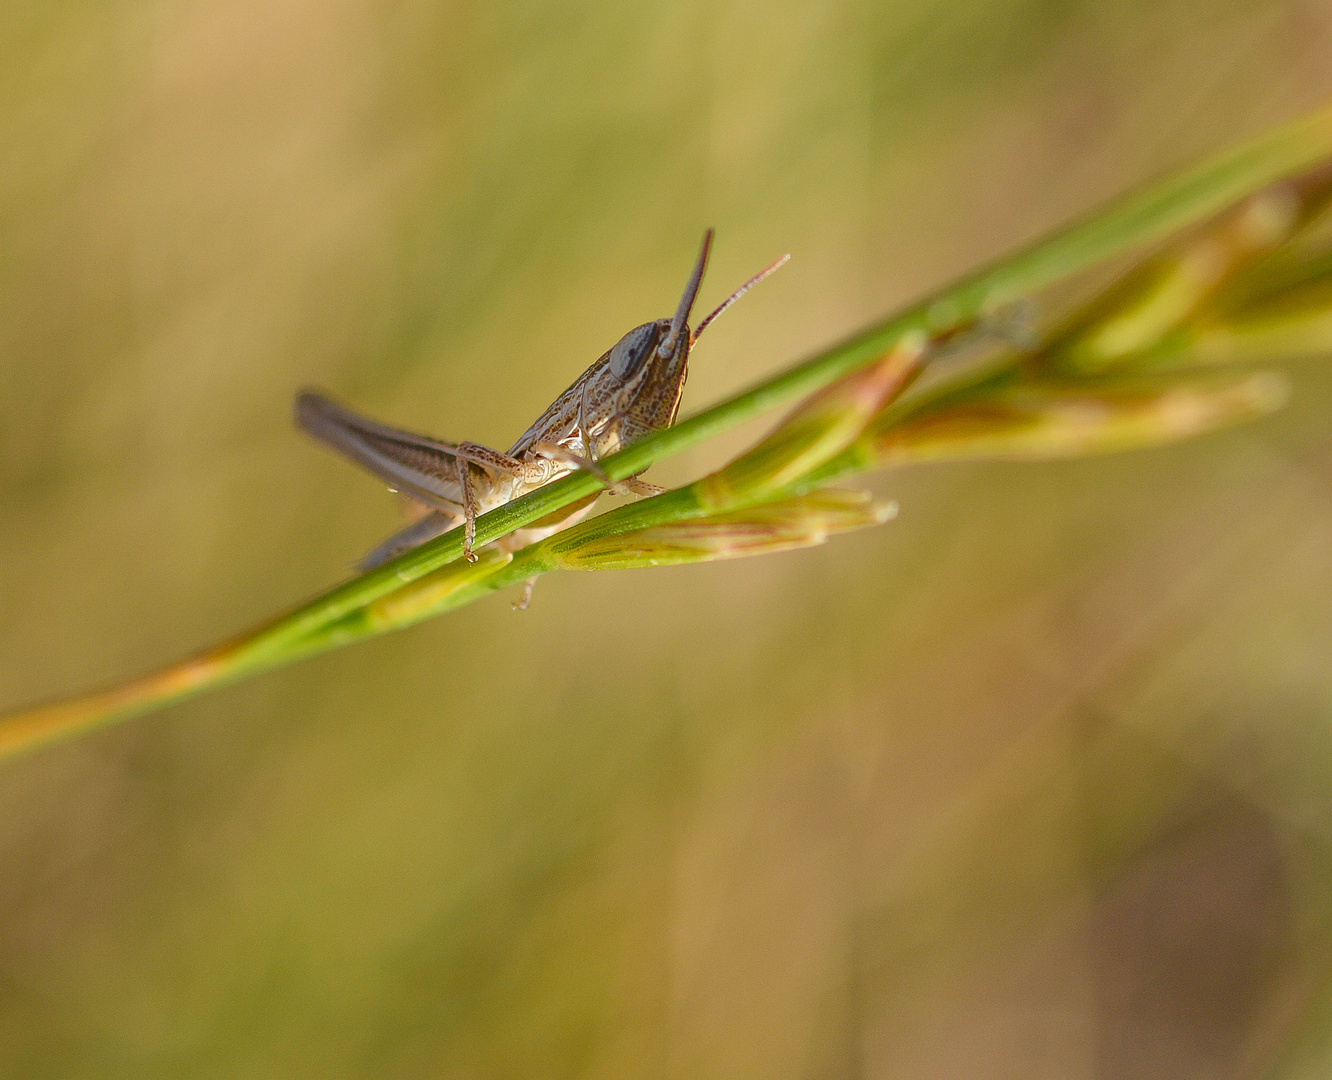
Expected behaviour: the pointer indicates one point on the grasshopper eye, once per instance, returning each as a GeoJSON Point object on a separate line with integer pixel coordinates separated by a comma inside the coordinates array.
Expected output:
{"type": "Point", "coordinates": [632, 350]}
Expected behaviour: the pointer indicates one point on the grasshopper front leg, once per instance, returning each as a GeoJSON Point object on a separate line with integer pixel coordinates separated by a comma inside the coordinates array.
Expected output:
{"type": "Point", "coordinates": [562, 455]}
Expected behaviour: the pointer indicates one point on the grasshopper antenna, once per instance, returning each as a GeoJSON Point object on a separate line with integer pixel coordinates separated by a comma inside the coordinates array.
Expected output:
{"type": "Point", "coordinates": [681, 320]}
{"type": "Point", "coordinates": [767, 270]}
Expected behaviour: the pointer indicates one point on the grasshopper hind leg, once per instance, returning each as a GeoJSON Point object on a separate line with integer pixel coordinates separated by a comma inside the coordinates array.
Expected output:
{"type": "Point", "coordinates": [434, 524]}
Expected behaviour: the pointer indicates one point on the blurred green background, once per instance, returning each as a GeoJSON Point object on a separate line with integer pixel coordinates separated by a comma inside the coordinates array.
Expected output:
{"type": "Point", "coordinates": [1034, 782]}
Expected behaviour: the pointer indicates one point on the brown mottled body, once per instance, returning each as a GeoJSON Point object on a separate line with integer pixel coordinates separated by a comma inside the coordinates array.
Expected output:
{"type": "Point", "coordinates": [632, 390]}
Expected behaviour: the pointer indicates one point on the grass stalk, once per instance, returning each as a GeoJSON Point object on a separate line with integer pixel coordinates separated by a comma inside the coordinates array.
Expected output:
{"type": "Point", "coordinates": [432, 579]}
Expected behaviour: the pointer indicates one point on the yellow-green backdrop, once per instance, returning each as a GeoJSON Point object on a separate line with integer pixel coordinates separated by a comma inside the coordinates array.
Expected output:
{"type": "Point", "coordinates": [1034, 782]}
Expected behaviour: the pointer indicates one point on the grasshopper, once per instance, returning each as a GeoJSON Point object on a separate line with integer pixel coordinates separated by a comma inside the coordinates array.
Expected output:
{"type": "Point", "coordinates": [632, 390]}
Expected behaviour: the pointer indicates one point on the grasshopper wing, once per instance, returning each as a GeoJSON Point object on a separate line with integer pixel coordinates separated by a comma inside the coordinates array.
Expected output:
{"type": "Point", "coordinates": [423, 468]}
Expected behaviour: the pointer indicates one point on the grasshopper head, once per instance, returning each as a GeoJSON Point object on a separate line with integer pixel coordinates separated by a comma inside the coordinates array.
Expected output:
{"type": "Point", "coordinates": [644, 374]}
{"type": "Point", "coordinates": [632, 352]}
{"type": "Point", "coordinates": [662, 344]}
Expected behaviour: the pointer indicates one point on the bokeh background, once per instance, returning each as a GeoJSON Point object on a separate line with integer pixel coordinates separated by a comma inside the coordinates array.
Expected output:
{"type": "Point", "coordinates": [1034, 782]}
